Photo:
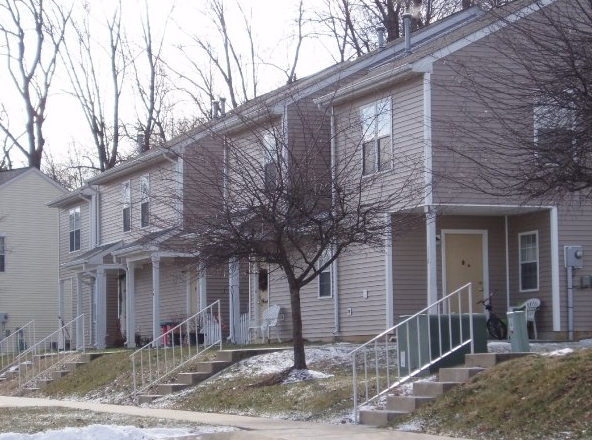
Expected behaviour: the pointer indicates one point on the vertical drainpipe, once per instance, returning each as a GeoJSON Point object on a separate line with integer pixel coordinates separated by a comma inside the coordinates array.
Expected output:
{"type": "Point", "coordinates": [507, 260]}
{"type": "Point", "coordinates": [130, 297]}
{"type": "Point", "coordinates": [430, 214]}
{"type": "Point", "coordinates": [555, 293]}
{"type": "Point", "coordinates": [388, 271]}
{"type": "Point", "coordinates": [334, 266]}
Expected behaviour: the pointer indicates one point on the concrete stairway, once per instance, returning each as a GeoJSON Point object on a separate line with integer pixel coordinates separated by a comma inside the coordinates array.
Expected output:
{"type": "Point", "coordinates": [203, 370]}
{"type": "Point", "coordinates": [425, 391]}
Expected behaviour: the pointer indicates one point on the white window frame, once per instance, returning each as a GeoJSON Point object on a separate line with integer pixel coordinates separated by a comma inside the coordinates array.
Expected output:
{"type": "Point", "coordinates": [126, 199]}
{"type": "Point", "coordinates": [525, 259]}
{"type": "Point", "coordinates": [3, 254]}
{"type": "Point", "coordinates": [549, 115]}
{"type": "Point", "coordinates": [145, 201]}
{"type": "Point", "coordinates": [377, 127]}
{"type": "Point", "coordinates": [326, 272]}
{"type": "Point", "coordinates": [73, 227]}
{"type": "Point", "coordinates": [270, 146]}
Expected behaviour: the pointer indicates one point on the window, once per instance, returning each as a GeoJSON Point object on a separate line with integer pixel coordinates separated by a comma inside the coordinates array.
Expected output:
{"type": "Point", "coordinates": [554, 131]}
{"type": "Point", "coordinates": [529, 261]}
{"type": "Point", "coordinates": [74, 217]}
{"type": "Point", "coordinates": [145, 201]}
{"type": "Point", "coordinates": [127, 203]}
{"type": "Point", "coordinates": [376, 137]}
{"type": "Point", "coordinates": [2, 254]}
{"type": "Point", "coordinates": [325, 276]}
{"type": "Point", "coordinates": [270, 161]}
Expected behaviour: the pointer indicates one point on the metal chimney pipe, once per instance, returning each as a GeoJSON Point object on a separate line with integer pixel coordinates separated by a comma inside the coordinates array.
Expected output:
{"type": "Point", "coordinates": [407, 17]}
{"type": "Point", "coordinates": [223, 106]}
{"type": "Point", "coordinates": [380, 31]}
{"type": "Point", "coordinates": [140, 142]}
{"type": "Point", "coordinates": [215, 109]}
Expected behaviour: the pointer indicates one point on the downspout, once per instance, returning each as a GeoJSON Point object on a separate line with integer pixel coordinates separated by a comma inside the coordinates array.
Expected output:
{"type": "Point", "coordinates": [507, 261]}
{"type": "Point", "coordinates": [334, 265]}
{"type": "Point", "coordinates": [555, 293]}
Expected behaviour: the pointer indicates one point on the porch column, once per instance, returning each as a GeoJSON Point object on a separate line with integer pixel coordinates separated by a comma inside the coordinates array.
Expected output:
{"type": "Point", "coordinates": [80, 311]}
{"type": "Point", "coordinates": [432, 256]}
{"type": "Point", "coordinates": [388, 270]}
{"type": "Point", "coordinates": [101, 307]}
{"type": "Point", "coordinates": [156, 298]}
{"type": "Point", "coordinates": [203, 290]}
{"type": "Point", "coordinates": [555, 290]}
{"type": "Point", "coordinates": [61, 302]}
{"type": "Point", "coordinates": [130, 305]}
{"type": "Point", "coordinates": [233, 291]}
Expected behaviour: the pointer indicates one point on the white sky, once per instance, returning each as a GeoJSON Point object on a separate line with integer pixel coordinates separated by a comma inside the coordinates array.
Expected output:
{"type": "Point", "coordinates": [272, 22]}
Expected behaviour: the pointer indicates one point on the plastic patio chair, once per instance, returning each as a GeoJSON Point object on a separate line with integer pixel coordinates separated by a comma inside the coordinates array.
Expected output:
{"type": "Point", "coordinates": [530, 306]}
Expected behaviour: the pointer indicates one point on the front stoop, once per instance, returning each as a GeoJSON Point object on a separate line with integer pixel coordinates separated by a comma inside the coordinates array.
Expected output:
{"type": "Point", "coordinates": [204, 370]}
{"type": "Point", "coordinates": [425, 391]}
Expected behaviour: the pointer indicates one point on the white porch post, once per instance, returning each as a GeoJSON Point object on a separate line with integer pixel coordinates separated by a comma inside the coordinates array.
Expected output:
{"type": "Point", "coordinates": [432, 256]}
{"type": "Point", "coordinates": [202, 302]}
{"type": "Point", "coordinates": [101, 307]}
{"type": "Point", "coordinates": [233, 291]}
{"type": "Point", "coordinates": [156, 297]}
{"type": "Point", "coordinates": [555, 291]}
{"type": "Point", "coordinates": [388, 269]}
{"type": "Point", "coordinates": [61, 302]}
{"type": "Point", "coordinates": [80, 311]}
{"type": "Point", "coordinates": [130, 306]}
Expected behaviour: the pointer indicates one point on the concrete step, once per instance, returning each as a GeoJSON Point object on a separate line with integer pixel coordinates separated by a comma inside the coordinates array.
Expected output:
{"type": "Point", "coordinates": [211, 367]}
{"type": "Point", "coordinates": [71, 366]}
{"type": "Point", "coordinates": [55, 375]}
{"type": "Point", "coordinates": [458, 374]}
{"type": "Point", "coordinates": [378, 417]}
{"type": "Point", "coordinates": [237, 355]}
{"type": "Point", "coordinates": [148, 398]}
{"type": "Point", "coordinates": [90, 356]}
{"type": "Point", "coordinates": [42, 383]}
{"type": "Point", "coordinates": [427, 388]}
{"type": "Point", "coordinates": [406, 404]}
{"type": "Point", "coordinates": [487, 360]}
{"type": "Point", "coordinates": [192, 378]}
{"type": "Point", "coordinates": [169, 388]}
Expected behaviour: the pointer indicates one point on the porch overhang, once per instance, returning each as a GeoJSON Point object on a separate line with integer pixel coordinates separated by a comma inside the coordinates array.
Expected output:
{"type": "Point", "coordinates": [476, 209]}
{"type": "Point", "coordinates": [93, 257]}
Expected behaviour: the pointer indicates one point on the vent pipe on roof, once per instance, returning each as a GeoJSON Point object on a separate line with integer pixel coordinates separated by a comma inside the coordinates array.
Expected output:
{"type": "Point", "coordinates": [223, 106]}
{"type": "Point", "coordinates": [407, 18]}
{"type": "Point", "coordinates": [140, 142]}
{"type": "Point", "coordinates": [380, 31]}
{"type": "Point", "coordinates": [215, 109]}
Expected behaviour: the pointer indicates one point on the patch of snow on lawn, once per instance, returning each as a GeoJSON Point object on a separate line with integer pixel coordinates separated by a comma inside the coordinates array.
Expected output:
{"type": "Point", "coordinates": [562, 352]}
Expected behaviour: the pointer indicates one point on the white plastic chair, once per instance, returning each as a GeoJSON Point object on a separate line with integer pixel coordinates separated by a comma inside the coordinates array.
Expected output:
{"type": "Point", "coordinates": [269, 319]}
{"type": "Point", "coordinates": [530, 306]}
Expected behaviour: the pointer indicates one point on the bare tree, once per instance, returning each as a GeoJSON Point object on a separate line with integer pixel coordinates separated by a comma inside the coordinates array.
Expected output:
{"type": "Point", "coordinates": [532, 104]}
{"type": "Point", "coordinates": [295, 207]}
{"type": "Point", "coordinates": [73, 169]}
{"type": "Point", "coordinates": [33, 32]}
{"type": "Point", "coordinates": [99, 100]}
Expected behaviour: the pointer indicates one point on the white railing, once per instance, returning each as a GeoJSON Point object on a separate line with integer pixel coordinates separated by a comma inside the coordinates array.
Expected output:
{"type": "Point", "coordinates": [13, 345]}
{"type": "Point", "coordinates": [242, 332]}
{"type": "Point", "coordinates": [38, 362]}
{"type": "Point", "coordinates": [166, 354]}
{"type": "Point", "coordinates": [412, 346]}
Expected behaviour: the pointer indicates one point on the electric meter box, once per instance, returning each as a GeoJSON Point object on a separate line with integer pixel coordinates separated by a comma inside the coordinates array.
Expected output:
{"type": "Point", "coordinates": [574, 257]}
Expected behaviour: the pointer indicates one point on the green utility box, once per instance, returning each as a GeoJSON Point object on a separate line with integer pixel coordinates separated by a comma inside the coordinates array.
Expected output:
{"type": "Point", "coordinates": [518, 331]}
{"type": "Point", "coordinates": [428, 337]}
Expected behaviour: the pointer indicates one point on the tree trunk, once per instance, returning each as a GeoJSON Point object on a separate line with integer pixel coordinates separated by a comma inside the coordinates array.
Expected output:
{"type": "Point", "coordinates": [298, 341]}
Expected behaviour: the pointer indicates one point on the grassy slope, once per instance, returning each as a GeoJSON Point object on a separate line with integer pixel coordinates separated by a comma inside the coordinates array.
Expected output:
{"type": "Point", "coordinates": [532, 397]}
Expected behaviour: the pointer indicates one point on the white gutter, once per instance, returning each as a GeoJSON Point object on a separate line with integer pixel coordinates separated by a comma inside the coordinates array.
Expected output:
{"type": "Point", "coordinates": [555, 293]}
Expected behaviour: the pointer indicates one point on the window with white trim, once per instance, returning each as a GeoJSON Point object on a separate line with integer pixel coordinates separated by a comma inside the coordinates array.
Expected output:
{"type": "Point", "coordinates": [270, 161]}
{"type": "Point", "coordinates": [325, 279]}
{"type": "Point", "coordinates": [127, 206]}
{"type": "Point", "coordinates": [529, 260]}
{"type": "Point", "coordinates": [554, 131]}
{"type": "Point", "coordinates": [2, 253]}
{"type": "Point", "coordinates": [145, 201]}
{"type": "Point", "coordinates": [377, 152]}
{"type": "Point", "coordinates": [74, 228]}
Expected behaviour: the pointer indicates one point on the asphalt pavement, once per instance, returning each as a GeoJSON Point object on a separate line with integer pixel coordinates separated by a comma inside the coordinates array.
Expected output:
{"type": "Point", "coordinates": [248, 428]}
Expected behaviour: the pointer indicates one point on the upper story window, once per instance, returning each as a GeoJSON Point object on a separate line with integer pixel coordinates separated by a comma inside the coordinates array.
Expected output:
{"type": "Point", "coordinates": [270, 160]}
{"type": "Point", "coordinates": [145, 200]}
{"type": "Point", "coordinates": [2, 253]}
{"type": "Point", "coordinates": [127, 206]}
{"type": "Point", "coordinates": [376, 137]}
{"type": "Point", "coordinates": [554, 131]}
{"type": "Point", "coordinates": [74, 227]}
{"type": "Point", "coordinates": [529, 260]}
{"type": "Point", "coordinates": [325, 276]}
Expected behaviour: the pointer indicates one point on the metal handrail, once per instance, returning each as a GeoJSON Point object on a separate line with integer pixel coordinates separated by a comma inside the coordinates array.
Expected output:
{"type": "Point", "coordinates": [13, 346]}
{"type": "Point", "coordinates": [165, 355]}
{"type": "Point", "coordinates": [377, 363]}
{"type": "Point", "coordinates": [39, 361]}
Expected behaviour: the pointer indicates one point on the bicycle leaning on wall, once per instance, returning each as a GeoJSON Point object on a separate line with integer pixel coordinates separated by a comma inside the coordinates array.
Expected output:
{"type": "Point", "coordinates": [496, 328]}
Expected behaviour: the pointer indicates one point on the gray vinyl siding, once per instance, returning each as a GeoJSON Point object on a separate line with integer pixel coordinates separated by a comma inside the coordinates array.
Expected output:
{"type": "Point", "coordinates": [163, 203]}
{"type": "Point", "coordinates": [279, 293]}
{"type": "Point", "coordinates": [113, 330]}
{"type": "Point", "coordinates": [143, 300]}
{"type": "Point", "coordinates": [64, 235]}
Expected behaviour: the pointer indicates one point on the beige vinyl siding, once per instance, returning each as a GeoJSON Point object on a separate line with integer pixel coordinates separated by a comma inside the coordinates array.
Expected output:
{"type": "Point", "coordinates": [143, 300]}
{"type": "Point", "coordinates": [362, 269]}
{"type": "Point", "coordinates": [64, 234]}
{"type": "Point", "coordinates": [29, 286]}
{"type": "Point", "coordinates": [574, 230]}
{"type": "Point", "coordinates": [539, 222]}
{"type": "Point", "coordinates": [163, 203]}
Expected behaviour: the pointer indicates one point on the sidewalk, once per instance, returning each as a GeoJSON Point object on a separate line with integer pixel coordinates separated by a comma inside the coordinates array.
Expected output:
{"type": "Point", "coordinates": [249, 427]}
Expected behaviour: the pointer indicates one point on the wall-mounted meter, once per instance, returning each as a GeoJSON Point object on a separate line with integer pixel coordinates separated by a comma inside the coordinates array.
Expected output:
{"type": "Point", "coordinates": [574, 257]}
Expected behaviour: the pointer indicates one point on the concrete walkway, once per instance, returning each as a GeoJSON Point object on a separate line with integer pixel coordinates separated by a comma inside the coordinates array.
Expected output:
{"type": "Point", "coordinates": [249, 427]}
